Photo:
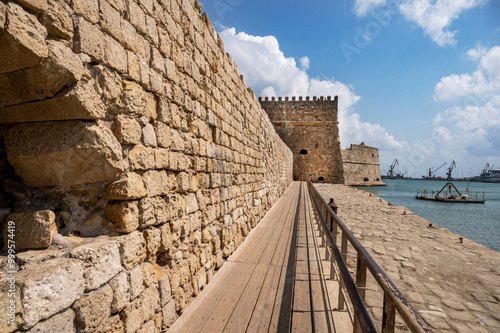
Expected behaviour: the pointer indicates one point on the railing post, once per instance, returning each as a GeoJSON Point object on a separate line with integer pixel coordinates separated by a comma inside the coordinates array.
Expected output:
{"type": "Point", "coordinates": [343, 249]}
{"type": "Point", "coordinates": [361, 285]}
{"type": "Point", "coordinates": [341, 294]}
{"type": "Point", "coordinates": [327, 253]}
{"type": "Point", "coordinates": [389, 315]}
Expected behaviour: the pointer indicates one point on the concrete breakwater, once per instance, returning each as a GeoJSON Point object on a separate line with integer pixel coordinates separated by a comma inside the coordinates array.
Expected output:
{"type": "Point", "coordinates": [453, 283]}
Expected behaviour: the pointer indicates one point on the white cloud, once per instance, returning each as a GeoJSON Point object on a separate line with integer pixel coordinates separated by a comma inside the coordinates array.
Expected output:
{"type": "Point", "coordinates": [477, 52]}
{"type": "Point", "coordinates": [362, 7]}
{"type": "Point", "coordinates": [471, 127]}
{"type": "Point", "coordinates": [270, 73]}
{"type": "Point", "coordinates": [304, 63]}
{"type": "Point", "coordinates": [482, 84]}
{"type": "Point", "coordinates": [435, 17]}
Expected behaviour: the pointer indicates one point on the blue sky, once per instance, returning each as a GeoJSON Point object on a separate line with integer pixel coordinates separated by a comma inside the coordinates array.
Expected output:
{"type": "Point", "coordinates": [419, 79]}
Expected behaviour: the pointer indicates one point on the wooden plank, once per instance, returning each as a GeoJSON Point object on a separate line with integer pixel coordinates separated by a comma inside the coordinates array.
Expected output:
{"type": "Point", "coordinates": [282, 310]}
{"type": "Point", "coordinates": [263, 310]}
{"type": "Point", "coordinates": [203, 306]}
{"type": "Point", "coordinates": [223, 311]}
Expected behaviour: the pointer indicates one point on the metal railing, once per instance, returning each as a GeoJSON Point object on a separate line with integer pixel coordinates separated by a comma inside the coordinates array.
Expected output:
{"type": "Point", "coordinates": [393, 300]}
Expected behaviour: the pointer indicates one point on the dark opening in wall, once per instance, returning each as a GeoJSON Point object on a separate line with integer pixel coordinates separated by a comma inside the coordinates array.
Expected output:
{"type": "Point", "coordinates": [378, 179]}
{"type": "Point", "coordinates": [320, 179]}
{"type": "Point", "coordinates": [303, 152]}
{"type": "Point", "coordinates": [366, 179]}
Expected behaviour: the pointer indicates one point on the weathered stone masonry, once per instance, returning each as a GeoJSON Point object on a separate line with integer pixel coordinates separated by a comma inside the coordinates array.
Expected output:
{"type": "Point", "coordinates": [132, 156]}
{"type": "Point", "coordinates": [361, 165]}
{"type": "Point", "coordinates": [310, 128]}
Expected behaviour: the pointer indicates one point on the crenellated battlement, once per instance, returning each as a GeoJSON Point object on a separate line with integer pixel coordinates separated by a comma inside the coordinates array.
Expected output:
{"type": "Point", "coordinates": [300, 99]}
{"type": "Point", "coordinates": [310, 129]}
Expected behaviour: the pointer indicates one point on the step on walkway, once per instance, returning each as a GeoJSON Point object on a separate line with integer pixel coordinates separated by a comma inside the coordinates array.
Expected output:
{"type": "Point", "coordinates": [273, 282]}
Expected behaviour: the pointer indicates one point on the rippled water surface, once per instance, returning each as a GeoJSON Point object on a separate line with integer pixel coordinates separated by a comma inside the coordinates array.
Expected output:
{"type": "Point", "coordinates": [477, 222]}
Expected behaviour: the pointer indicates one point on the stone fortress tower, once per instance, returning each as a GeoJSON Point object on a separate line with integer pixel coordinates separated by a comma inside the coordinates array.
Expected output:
{"type": "Point", "coordinates": [310, 129]}
{"type": "Point", "coordinates": [361, 165]}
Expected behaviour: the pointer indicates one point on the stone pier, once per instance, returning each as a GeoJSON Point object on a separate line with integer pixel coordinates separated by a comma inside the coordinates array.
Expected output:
{"type": "Point", "coordinates": [455, 286]}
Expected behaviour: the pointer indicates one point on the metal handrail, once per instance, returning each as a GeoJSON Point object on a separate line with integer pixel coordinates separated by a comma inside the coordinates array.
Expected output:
{"type": "Point", "coordinates": [393, 298]}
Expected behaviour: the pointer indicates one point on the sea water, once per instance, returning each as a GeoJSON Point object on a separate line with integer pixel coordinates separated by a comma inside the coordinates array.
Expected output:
{"type": "Point", "coordinates": [477, 222]}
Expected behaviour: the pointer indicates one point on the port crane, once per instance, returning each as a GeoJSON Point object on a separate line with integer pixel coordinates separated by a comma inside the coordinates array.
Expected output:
{"type": "Point", "coordinates": [432, 171]}
{"type": "Point", "coordinates": [391, 168]}
{"type": "Point", "coordinates": [450, 170]}
{"type": "Point", "coordinates": [487, 168]}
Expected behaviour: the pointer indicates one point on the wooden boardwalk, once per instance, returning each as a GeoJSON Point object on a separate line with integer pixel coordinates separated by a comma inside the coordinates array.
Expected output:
{"type": "Point", "coordinates": [274, 282]}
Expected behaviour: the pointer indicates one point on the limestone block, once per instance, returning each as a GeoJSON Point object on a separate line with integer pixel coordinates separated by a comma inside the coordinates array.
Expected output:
{"type": "Point", "coordinates": [130, 37]}
{"type": "Point", "coordinates": [176, 204]}
{"type": "Point", "coordinates": [112, 325]}
{"type": "Point", "coordinates": [115, 55]}
{"type": "Point", "coordinates": [162, 158]}
{"type": "Point", "coordinates": [154, 211]}
{"type": "Point", "coordinates": [129, 187]}
{"type": "Point", "coordinates": [149, 136]}
{"type": "Point", "coordinates": [33, 230]}
{"type": "Point", "coordinates": [157, 61]}
{"type": "Point", "coordinates": [137, 17]}
{"type": "Point", "coordinates": [61, 322]}
{"type": "Point", "coordinates": [151, 30]}
{"type": "Point", "coordinates": [89, 39]}
{"type": "Point", "coordinates": [132, 316]}
{"type": "Point", "coordinates": [89, 9]}
{"type": "Point", "coordinates": [156, 82]}
{"type": "Point", "coordinates": [101, 261]}
{"type": "Point", "coordinates": [119, 5]}
{"type": "Point", "coordinates": [111, 20]}
{"type": "Point", "coordinates": [57, 20]}
{"type": "Point", "coordinates": [60, 69]}
{"type": "Point", "coordinates": [142, 158]}
{"type": "Point", "coordinates": [121, 292]}
{"type": "Point", "coordinates": [154, 183]}
{"type": "Point", "coordinates": [133, 68]}
{"type": "Point", "coordinates": [81, 102]}
{"type": "Point", "coordinates": [127, 129]}
{"type": "Point", "coordinates": [166, 238]}
{"type": "Point", "coordinates": [132, 249]}
{"type": "Point", "coordinates": [92, 309]}
{"type": "Point", "coordinates": [153, 240]}
{"type": "Point", "coordinates": [63, 153]}
{"type": "Point", "coordinates": [169, 314]}
{"type": "Point", "coordinates": [164, 110]}
{"type": "Point", "coordinates": [124, 215]}
{"type": "Point", "coordinates": [150, 302]}
{"type": "Point", "coordinates": [36, 5]}
{"type": "Point", "coordinates": [149, 273]}
{"type": "Point", "coordinates": [136, 278]}
{"type": "Point", "coordinates": [23, 41]}
{"type": "Point", "coordinates": [137, 101]}
{"type": "Point", "coordinates": [148, 327]}
{"type": "Point", "coordinates": [191, 203]}
{"type": "Point", "coordinates": [183, 182]}
{"type": "Point", "coordinates": [49, 288]}
{"type": "Point", "coordinates": [164, 288]}
{"type": "Point", "coordinates": [163, 134]}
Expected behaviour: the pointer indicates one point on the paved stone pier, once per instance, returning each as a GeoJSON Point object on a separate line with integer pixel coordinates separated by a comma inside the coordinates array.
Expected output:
{"type": "Point", "coordinates": [454, 286]}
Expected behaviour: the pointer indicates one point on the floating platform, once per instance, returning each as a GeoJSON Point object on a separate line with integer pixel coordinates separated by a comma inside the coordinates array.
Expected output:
{"type": "Point", "coordinates": [455, 200]}
{"type": "Point", "coordinates": [449, 193]}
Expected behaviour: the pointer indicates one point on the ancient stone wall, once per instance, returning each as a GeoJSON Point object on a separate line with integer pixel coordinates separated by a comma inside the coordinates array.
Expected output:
{"type": "Point", "coordinates": [310, 129]}
{"type": "Point", "coordinates": [361, 165]}
{"type": "Point", "coordinates": [133, 161]}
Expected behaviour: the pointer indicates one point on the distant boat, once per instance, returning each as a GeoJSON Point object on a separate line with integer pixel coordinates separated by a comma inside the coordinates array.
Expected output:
{"type": "Point", "coordinates": [449, 193]}
{"type": "Point", "coordinates": [490, 176]}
